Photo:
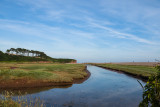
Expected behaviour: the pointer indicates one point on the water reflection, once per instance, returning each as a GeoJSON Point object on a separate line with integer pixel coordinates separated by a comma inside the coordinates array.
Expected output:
{"type": "Point", "coordinates": [25, 91]}
{"type": "Point", "coordinates": [104, 88]}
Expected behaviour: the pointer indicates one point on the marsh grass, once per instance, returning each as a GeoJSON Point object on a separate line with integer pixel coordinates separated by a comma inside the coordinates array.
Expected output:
{"type": "Point", "coordinates": [134, 69]}
{"type": "Point", "coordinates": [7, 100]}
{"type": "Point", "coordinates": [21, 73]}
{"type": "Point", "coordinates": [45, 72]}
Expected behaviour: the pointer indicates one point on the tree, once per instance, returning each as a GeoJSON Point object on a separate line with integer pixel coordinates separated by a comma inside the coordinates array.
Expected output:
{"type": "Point", "coordinates": [32, 51]}
{"type": "Point", "coordinates": [16, 51]}
{"type": "Point", "coordinates": [23, 51]}
{"type": "Point", "coordinates": [7, 51]}
{"type": "Point", "coordinates": [36, 53]}
{"type": "Point", "coordinates": [12, 50]}
{"type": "Point", "coordinates": [27, 51]}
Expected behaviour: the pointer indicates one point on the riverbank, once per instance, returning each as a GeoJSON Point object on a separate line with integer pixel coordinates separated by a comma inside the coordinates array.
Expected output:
{"type": "Point", "coordinates": [137, 71]}
{"type": "Point", "coordinates": [110, 88]}
{"type": "Point", "coordinates": [18, 76]}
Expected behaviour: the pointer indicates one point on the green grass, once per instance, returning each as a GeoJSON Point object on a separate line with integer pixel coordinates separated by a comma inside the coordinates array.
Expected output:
{"type": "Point", "coordinates": [20, 73]}
{"type": "Point", "coordinates": [7, 100]}
{"type": "Point", "coordinates": [45, 72]}
{"type": "Point", "coordinates": [145, 71]}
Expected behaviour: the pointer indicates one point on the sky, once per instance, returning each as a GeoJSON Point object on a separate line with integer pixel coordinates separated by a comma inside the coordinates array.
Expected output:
{"type": "Point", "coordinates": [86, 30]}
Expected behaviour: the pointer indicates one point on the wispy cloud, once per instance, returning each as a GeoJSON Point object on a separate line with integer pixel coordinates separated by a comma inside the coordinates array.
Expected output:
{"type": "Point", "coordinates": [64, 38]}
{"type": "Point", "coordinates": [121, 35]}
{"type": "Point", "coordinates": [87, 30]}
{"type": "Point", "coordinates": [41, 30]}
{"type": "Point", "coordinates": [133, 12]}
{"type": "Point", "coordinates": [144, 15]}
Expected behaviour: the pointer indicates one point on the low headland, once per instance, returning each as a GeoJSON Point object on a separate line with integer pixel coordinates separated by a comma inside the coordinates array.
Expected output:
{"type": "Point", "coordinates": [31, 56]}
{"type": "Point", "coordinates": [24, 68]}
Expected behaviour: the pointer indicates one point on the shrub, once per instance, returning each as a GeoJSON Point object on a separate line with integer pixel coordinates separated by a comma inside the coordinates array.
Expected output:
{"type": "Point", "coordinates": [151, 91]}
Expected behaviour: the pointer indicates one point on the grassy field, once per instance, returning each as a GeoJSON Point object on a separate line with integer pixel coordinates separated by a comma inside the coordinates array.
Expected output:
{"type": "Point", "coordinates": [11, 74]}
{"type": "Point", "coordinates": [138, 63]}
{"type": "Point", "coordinates": [139, 70]}
{"type": "Point", "coordinates": [57, 73]}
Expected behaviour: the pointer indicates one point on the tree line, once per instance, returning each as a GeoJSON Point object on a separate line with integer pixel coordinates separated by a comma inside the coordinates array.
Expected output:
{"type": "Point", "coordinates": [26, 55]}
{"type": "Point", "coordinates": [26, 52]}
{"type": "Point", "coordinates": [18, 58]}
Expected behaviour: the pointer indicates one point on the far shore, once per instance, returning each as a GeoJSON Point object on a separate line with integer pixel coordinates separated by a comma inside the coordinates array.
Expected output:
{"type": "Point", "coordinates": [138, 63]}
{"type": "Point", "coordinates": [139, 70]}
{"type": "Point", "coordinates": [133, 63]}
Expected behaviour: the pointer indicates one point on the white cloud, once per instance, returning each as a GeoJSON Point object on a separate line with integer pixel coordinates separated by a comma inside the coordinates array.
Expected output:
{"type": "Point", "coordinates": [41, 30]}
{"type": "Point", "coordinates": [119, 34]}
{"type": "Point", "coordinates": [144, 14]}
{"type": "Point", "coordinates": [87, 30]}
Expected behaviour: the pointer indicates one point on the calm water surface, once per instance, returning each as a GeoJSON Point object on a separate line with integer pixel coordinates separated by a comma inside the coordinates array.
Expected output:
{"type": "Point", "coordinates": [104, 88]}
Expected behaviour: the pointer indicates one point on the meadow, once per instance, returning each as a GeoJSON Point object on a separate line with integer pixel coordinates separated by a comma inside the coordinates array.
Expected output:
{"type": "Point", "coordinates": [137, 70]}
{"type": "Point", "coordinates": [17, 75]}
{"type": "Point", "coordinates": [26, 74]}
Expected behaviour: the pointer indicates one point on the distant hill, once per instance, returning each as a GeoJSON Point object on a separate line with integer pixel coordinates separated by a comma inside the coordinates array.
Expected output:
{"type": "Point", "coordinates": [26, 55]}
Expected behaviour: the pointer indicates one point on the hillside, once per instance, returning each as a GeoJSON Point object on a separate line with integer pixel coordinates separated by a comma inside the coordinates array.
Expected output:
{"type": "Point", "coordinates": [25, 55]}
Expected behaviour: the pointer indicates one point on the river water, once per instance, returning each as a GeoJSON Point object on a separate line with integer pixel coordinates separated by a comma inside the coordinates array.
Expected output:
{"type": "Point", "coordinates": [104, 88]}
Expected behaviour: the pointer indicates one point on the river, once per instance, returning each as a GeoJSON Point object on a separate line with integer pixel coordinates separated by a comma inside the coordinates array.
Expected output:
{"type": "Point", "coordinates": [104, 88]}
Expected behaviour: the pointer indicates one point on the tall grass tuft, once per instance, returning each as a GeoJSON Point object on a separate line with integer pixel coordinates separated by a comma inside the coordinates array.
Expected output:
{"type": "Point", "coordinates": [7, 100]}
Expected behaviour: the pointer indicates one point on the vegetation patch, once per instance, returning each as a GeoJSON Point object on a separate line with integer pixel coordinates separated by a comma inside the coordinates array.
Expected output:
{"type": "Point", "coordinates": [151, 91]}
{"type": "Point", "coordinates": [40, 73]}
{"type": "Point", "coordinates": [7, 100]}
{"type": "Point", "coordinates": [138, 70]}
{"type": "Point", "coordinates": [26, 55]}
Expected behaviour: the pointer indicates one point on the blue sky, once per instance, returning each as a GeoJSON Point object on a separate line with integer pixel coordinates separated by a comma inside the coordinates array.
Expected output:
{"type": "Point", "coordinates": [87, 30]}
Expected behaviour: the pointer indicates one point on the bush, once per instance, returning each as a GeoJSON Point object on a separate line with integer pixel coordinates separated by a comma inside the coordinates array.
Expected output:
{"type": "Point", "coordinates": [151, 91]}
